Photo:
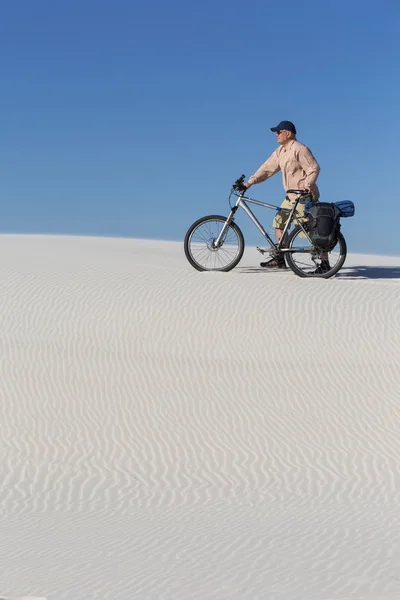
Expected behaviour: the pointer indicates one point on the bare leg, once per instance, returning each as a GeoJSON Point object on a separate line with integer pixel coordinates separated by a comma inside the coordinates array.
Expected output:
{"type": "Point", "coordinates": [278, 234]}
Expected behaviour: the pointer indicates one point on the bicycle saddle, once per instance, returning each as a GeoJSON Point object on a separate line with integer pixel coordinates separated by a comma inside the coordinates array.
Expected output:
{"type": "Point", "coordinates": [300, 192]}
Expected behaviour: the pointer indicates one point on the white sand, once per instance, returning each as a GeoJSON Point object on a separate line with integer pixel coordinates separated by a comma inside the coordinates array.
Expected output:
{"type": "Point", "coordinates": [173, 434]}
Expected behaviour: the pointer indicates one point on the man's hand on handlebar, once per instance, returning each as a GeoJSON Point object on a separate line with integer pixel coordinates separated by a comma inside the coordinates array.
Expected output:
{"type": "Point", "coordinates": [239, 185]}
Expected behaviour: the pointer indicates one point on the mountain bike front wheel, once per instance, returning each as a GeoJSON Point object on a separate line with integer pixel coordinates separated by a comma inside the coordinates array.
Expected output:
{"type": "Point", "coordinates": [305, 260]}
{"type": "Point", "coordinates": [201, 250]}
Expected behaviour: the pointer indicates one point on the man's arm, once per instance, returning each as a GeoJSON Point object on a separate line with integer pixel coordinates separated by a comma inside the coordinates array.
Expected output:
{"type": "Point", "coordinates": [269, 168]}
{"type": "Point", "coordinates": [309, 166]}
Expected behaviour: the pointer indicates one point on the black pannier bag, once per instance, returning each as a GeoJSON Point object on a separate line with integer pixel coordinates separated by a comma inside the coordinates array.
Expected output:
{"type": "Point", "coordinates": [323, 224]}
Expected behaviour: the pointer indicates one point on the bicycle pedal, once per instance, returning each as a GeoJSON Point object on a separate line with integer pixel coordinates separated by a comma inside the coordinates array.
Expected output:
{"type": "Point", "coordinates": [262, 250]}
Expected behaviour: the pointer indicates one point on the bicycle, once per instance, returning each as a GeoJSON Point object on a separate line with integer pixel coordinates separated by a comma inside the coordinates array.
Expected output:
{"type": "Point", "coordinates": [216, 243]}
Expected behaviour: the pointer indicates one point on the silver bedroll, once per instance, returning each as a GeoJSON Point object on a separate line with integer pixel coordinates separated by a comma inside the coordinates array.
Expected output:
{"type": "Point", "coordinates": [216, 243]}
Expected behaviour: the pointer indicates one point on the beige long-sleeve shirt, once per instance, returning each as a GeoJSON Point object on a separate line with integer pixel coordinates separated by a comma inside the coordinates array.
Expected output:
{"type": "Point", "coordinates": [298, 165]}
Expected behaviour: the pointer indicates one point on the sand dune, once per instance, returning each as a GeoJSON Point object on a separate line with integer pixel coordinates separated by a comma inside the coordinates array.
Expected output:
{"type": "Point", "coordinates": [170, 434]}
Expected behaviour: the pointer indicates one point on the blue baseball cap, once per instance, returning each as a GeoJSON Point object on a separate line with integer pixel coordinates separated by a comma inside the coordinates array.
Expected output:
{"type": "Point", "coordinates": [285, 125]}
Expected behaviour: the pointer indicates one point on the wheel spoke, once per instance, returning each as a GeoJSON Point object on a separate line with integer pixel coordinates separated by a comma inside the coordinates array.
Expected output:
{"type": "Point", "coordinates": [202, 250]}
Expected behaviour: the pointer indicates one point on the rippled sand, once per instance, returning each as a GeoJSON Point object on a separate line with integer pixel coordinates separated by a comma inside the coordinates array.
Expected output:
{"type": "Point", "coordinates": [170, 434]}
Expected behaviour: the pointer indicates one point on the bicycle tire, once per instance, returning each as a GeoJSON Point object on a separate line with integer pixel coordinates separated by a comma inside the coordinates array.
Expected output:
{"type": "Point", "coordinates": [293, 266]}
{"type": "Point", "coordinates": [192, 229]}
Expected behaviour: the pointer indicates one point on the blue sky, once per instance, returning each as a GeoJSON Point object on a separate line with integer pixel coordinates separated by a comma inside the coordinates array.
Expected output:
{"type": "Point", "coordinates": [133, 118]}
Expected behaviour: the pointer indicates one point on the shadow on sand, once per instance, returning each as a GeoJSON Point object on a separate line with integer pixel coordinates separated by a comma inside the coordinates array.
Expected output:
{"type": "Point", "coordinates": [259, 270]}
{"type": "Point", "coordinates": [356, 272]}
{"type": "Point", "coordinates": [366, 272]}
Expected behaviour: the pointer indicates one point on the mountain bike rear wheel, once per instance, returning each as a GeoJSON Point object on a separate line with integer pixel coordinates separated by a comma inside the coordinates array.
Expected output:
{"type": "Point", "coordinates": [200, 249]}
{"type": "Point", "coordinates": [306, 261]}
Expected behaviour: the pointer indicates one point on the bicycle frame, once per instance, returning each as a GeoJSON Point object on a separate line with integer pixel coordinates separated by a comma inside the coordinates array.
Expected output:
{"type": "Point", "coordinates": [241, 202]}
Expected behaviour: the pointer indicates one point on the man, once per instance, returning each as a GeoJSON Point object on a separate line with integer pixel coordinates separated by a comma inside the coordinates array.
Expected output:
{"type": "Point", "coordinates": [300, 171]}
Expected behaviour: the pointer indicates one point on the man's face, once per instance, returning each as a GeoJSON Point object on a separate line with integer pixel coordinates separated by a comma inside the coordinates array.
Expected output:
{"type": "Point", "coordinates": [283, 136]}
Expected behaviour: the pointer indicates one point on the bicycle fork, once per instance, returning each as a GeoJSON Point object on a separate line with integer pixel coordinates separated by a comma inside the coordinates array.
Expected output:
{"type": "Point", "coordinates": [218, 242]}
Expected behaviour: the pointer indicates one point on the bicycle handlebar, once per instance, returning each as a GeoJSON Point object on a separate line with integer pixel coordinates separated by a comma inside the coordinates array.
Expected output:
{"type": "Point", "coordinates": [238, 185]}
